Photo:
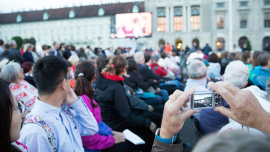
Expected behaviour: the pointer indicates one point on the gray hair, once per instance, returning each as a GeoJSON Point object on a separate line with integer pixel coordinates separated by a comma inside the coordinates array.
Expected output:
{"type": "Point", "coordinates": [138, 57]}
{"type": "Point", "coordinates": [12, 43]}
{"type": "Point", "coordinates": [233, 141]}
{"type": "Point", "coordinates": [11, 72]}
{"type": "Point", "coordinates": [267, 89]}
{"type": "Point", "coordinates": [196, 69]}
{"type": "Point", "coordinates": [237, 74]}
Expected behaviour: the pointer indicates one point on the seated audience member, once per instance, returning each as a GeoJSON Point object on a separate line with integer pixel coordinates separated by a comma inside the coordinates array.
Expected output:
{"type": "Point", "coordinates": [147, 73]}
{"type": "Point", "coordinates": [255, 59]}
{"type": "Point", "coordinates": [135, 81]}
{"type": "Point", "coordinates": [175, 59]}
{"type": "Point", "coordinates": [27, 70]}
{"type": "Point", "coordinates": [21, 89]}
{"type": "Point", "coordinates": [261, 73]}
{"type": "Point", "coordinates": [106, 139]}
{"type": "Point", "coordinates": [7, 54]}
{"type": "Point", "coordinates": [71, 73]}
{"type": "Point", "coordinates": [237, 74]}
{"type": "Point", "coordinates": [63, 126]}
{"type": "Point", "coordinates": [27, 55]}
{"type": "Point", "coordinates": [115, 108]}
{"type": "Point", "coordinates": [74, 59]}
{"type": "Point", "coordinates": [82, 54]}
{"type": "Point", "coordinates": [159, 69]}
{"type": "Point", "coordinates": [247, 60]}
{"type": "Point", "coordinates": [67, 52]}
{"type": "Point", "coordinates": [35, 54]}
{"type": "Point", "coordinates": [251, 115]}
{"type": "Point", "coordinates": [10, 120]}
{"type": "Point", "coordinates": [168, 64]}
{"type": "Point", "coordinates": [238, 56]}
{"type": "Point", "coordinates": [213, 70]}
{"type": "Point", "coordinates": [45, 51]}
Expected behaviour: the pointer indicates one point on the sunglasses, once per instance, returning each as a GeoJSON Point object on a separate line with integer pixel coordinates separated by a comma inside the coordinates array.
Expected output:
{"type": "Point", "coordinates": [67, 78]}
{"type": "Point", "coordinates": [21, 107]}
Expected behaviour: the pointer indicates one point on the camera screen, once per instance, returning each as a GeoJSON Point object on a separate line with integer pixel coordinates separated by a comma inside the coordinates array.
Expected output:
{"type": "Point", "coordinates": [202, 101]}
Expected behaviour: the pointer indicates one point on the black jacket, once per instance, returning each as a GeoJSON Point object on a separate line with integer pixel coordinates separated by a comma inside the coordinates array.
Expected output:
{"type": "Point", "coordinates": [17, 55]}
{"type": "Point", "coordinates": [30, 80]}
{"type": "Point", "coordinates": [135, 102]}
{"type": "Point", "coordinates": [28, 57]}
{"type": "Point", "coordinates": [115, 106]}
{"type": "Point", "coordinates": [147, 73]}
{"type": "Point", "coordinates": [66, 54]}
{"type": "Point", "coordinates": [207, 49]}
{"type": "Point", "coordinates": [136, 80]}
{"type": "Point", "coordinates": [8, 55]}
{"type": "Point", "coordinates": [80, 55]}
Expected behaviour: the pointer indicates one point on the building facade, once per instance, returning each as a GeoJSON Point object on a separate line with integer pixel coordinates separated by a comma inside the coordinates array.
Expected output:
{"type": "Point", "coordinates": [183, 22]}
{"type": "Point", "coordinates": [80, 26]}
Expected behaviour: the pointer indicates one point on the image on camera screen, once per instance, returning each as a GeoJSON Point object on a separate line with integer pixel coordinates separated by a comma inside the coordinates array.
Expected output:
{"type": "Point", "coordinates": [203, 101]}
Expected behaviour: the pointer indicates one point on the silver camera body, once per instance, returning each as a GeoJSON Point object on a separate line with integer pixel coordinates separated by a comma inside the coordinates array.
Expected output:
{"type": "Point", "coordinates": [205, 100]}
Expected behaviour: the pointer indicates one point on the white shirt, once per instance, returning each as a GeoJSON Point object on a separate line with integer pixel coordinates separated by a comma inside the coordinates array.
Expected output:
{"type": "Point", "coordinates": [67, 134]}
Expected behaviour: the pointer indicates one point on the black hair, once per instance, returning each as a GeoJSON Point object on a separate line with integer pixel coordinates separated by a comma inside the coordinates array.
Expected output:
{"type": "Point", "coordinates": [54, 43]}
{"type": "Point", "coordinates": [213, 58]}
{"type": "Point", "coordinates": [263, 59]}
{"type": "Point", "coordinates": [72, 47]}
{"type": "Point", "coordinates": [147, 57]}
{"type": "Point", "coordinates": [48, 47]}
{"type": "Point", "coordinates": [6, 108]}
{"type": "Point", "coordinates": [83, 83]}
{"type": "Point", "coordinates": [163, 55]}
{"type": "Point", "coordinates": [1, 42]}
{"type": "Point", "coordinates": [69, 63]}
{"type": "Point", "coordinates": [245, 56]}
{"type": "Point", "coordinates": [132, 65]}
{"type": "Point", "coordinates": [6, 46]}
{"type": "Point", "coordinates": [47, 72]}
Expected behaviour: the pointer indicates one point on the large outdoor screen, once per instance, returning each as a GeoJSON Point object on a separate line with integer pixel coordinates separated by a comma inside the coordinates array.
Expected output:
{"type": "Point", "coordinates": [133, 25]}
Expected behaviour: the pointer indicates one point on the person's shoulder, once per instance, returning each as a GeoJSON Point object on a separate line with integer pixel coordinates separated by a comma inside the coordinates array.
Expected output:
{"type": "Point", "coordinates": [32, 130]}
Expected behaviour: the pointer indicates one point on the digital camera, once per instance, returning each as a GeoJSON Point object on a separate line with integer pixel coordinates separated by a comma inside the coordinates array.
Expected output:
{"type": "Point", "coordinates": [205, 100]}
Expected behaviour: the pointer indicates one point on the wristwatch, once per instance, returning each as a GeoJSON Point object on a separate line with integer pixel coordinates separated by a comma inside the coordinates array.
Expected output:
{"type": "Point", "coordinates": [165, 140]}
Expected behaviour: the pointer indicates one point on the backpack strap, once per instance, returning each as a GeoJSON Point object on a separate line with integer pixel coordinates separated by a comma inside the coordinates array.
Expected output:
{"type": "Point", "coordinates": [35, 119]}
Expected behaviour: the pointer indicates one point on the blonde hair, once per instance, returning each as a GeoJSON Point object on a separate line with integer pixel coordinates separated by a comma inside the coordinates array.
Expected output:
{"type": "Point", "coordinates": [74, 59]}
{"type": "Point", "coordinates": [27, 46]}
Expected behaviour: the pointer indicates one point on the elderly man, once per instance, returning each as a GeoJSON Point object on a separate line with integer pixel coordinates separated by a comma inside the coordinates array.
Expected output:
{"type": "Point", "coordinates": [148, 73]}
{"type": "Point", "coordinates": [55, 50]}
{"type": "Point", "coordinates": [16, 53]}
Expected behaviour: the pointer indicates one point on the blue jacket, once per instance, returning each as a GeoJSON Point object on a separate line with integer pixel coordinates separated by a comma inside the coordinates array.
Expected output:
{"type": "Point", "coordinates": [28, 57]}
{"type": "Point", "coordinates": [260, 76]}
{"type": "Point", "coordinates": [206, 50]}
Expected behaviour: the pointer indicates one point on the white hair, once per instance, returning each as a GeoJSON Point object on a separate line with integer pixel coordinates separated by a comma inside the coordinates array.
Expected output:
{"type": "Point", "coordinates": [12, 43]}
{"type": "Point", "coordinates": [138, 57]}
{"type": "Point", "coordinates": [196, 69]}
{"type": "Point", "coordinates": [237, 74]}
{"type": "Point", "coordinates": [74, 59]}
{"type": "Point", "coordinates": [11, 72]}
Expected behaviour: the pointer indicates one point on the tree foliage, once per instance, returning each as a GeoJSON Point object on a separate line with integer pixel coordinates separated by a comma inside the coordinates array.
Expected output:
{"type": "Point", "coordinates": [31, 40]}
{"type": "Point", "coordinates": [249, 44]}
{"type": "Point", "coordinates": [19, 41]}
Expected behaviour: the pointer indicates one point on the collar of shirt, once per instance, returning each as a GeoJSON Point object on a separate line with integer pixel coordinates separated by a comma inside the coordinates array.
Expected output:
{"type": "Point", "coordinates": [52, 110]}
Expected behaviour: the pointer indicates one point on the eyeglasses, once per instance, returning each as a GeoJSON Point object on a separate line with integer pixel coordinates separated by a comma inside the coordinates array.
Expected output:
{"type": "Point", "coordinates": [67, 78]}
{"type": "Point", "coordinates": [21, 107]}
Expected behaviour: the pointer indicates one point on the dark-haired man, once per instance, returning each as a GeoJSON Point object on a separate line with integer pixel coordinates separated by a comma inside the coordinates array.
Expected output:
{"type": "Point", "coordinates": [66, 125]}
{"type": "Point", "coordinates": [1, 46]}
{"type": "Point", "coordinates": [7, 54]}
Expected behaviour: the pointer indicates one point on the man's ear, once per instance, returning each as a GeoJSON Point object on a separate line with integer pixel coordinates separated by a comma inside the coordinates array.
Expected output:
{"type": "Point", "coordinates": [63, 85]}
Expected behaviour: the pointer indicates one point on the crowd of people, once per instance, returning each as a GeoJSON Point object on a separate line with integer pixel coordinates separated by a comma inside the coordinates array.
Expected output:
{"type": "Point", "coordinates": [64, 99]}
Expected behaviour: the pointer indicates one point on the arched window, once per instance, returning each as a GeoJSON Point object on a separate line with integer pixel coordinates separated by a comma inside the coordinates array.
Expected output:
{"type": "Point", "coordinates": [161, 20]}
{"type": "Point", "coordinates": [161, 43]}
{"type": "Point", "coordinates": [242, 41]}
{"type": "Point", "coordinates": [178, 19]}
{"type": "Point", "coordinates": [101, 12]}
{"type": "Point", "coordinates": [179, 44]}
{"type": "Point", "coordinates": [46, 16]}
{"type": "Point", "coordinates": [135, 9]}
{"type": "Point", "coordinates": [266, 41]}
{"type": "Point", "coordinates": [220, 44]}
{"type": "Point", "coordinates": [19, 18]}
{"type": "Point", "coordinates": [195, 19]}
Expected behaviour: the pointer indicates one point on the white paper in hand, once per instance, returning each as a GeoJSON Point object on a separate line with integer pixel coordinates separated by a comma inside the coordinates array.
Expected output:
{"type": "Point", "coordinates": [136, 140]}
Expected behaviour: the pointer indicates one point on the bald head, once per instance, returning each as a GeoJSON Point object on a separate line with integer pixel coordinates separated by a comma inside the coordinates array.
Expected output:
{"type": "Point", "coordinates": [139, 57]}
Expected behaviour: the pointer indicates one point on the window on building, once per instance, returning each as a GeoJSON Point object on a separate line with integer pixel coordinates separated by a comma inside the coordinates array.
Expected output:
{"type": "Point", "coordinates": [243, 4]}
{"type": "Point", "coordinates": [267, 19]}
{"type": "Point", "coordinates": [161, 20]}
{"type": "Point", "coordinates": [220, 21]}
{"type": "Point", "coordinates": [195, 19]}
{"type": "Point", "coordinates": [178, 20]}
{"type": "Point", "coordinates": [243, 20]}
{"type": "Point", "coordinates": [220, 5]}
{"type": "Point", "coordinates": [267, 2]}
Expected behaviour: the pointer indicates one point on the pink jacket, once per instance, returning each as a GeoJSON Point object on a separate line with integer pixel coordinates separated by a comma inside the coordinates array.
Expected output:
{"type": "Point", "coordinates": [96, 142]}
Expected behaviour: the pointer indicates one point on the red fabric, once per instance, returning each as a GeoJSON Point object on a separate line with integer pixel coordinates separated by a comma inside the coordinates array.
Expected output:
{"type": "Point", "coordinates": [73, 68]}
{"type": "Point", "coordinates": [112, 77]}
{"type": "Point", "coordinates": [21, 51]}
{"type": "Point", "coordinates": [158, 70]}
{"type": "Point", "coordinates": [168, 48]}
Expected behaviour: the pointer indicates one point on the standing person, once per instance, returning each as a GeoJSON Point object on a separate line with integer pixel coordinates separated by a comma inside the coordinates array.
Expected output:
{"type": "Point", "coordinates": [1, 46]}
{"type": "Point", "coordinates": [15, 52]}
{"type": "Point", "coordinates": [7, 54]}
{"type": "Point", "coordinates": [55, 51]}
{"type": "Point", "coordinates": [115, 107]}
{"type": "Point", "coordinates": [27, 55]}
{"type": "Point", "coordinates": [206, 49]}
{"type": "Point", "coordinates": [67, 53]}
{"type": "Point", "coordinates": [82, 54]}
{"type": "Point", "coordinates": [73, 50]}
{"type": "Point", "coordinates": [187, 49]}
{"type": "Point", "coordinates": [59, 128]}
{"type": "Point", "coordinates": [106, 139]}
{"type": "Point", "coordinates": [168, 49]}
{"type": "Point", "coordinates": [45, 51]}
{"type": "Point", "coordinates": [245, 48]}
{"type": "Point", "coordinates": [10, 120]}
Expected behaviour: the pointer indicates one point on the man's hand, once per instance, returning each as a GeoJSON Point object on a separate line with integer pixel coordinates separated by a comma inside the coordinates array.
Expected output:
{"type": "Point", "coordinates": [174, 114]}
{"type": "Point", "coordinates": [150, 108]}
{"type": "Point", "coordinates": [157, 90]}
{"type": "Point", "coordinates": [246, 109]}
{"type": "Point", "coordinates": [71, 97]}
{"type": "Point", "coordinates": [155, 81]}
{"type": "Point", "coordinates": [118, 137]}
